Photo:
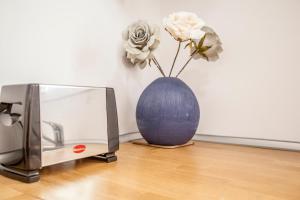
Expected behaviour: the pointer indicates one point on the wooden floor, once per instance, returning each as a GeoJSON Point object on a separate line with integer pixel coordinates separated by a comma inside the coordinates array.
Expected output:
{"type": "Point", "coordinates": [201, 171]}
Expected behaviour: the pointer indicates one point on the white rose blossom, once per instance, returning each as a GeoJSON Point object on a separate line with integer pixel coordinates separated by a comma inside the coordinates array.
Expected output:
{"type": "Point", "coordinates": [183, 25]}
{"type": "Point", "coordinates": [140, 40]}
{"type": "Point", "coordinates": [207, 47]}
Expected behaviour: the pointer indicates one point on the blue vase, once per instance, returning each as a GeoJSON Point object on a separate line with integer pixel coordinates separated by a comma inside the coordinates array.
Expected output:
{"type": "Point", "coordinates": [167, 112]}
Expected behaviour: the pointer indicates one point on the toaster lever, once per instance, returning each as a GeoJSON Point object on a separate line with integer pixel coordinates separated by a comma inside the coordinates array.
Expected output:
{"type": "Point", "coordinates": [57, 139]}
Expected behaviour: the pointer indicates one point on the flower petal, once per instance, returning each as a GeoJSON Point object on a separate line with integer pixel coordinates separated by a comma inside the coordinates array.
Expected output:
{"type": "Point", "coordinates": [154, 45]}
{"type": "Point", "coordinates": [131, 49]}
{"type": "Point", "coordinates": [143, 64]}
{"type": "Point", "coordinates": [143, 55]}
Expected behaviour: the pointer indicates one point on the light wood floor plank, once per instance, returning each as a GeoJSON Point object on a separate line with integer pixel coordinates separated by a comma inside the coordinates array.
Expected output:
{"type": "Point", "coordinates": [201, 171]}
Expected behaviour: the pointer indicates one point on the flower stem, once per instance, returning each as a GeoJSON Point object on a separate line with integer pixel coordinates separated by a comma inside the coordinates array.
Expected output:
{"type": "Point", "coordinates": [179, 44]}
{"type": "Point", "coordinates": [187, 62]}
{"type": "Point", "coordinates": [158, 66]}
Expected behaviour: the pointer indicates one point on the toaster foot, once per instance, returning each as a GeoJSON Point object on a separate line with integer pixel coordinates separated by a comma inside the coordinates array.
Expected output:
{"type": "Point", "coordinates": [20, 175]}
{"type": "Point", "coordinates": [107, 157]}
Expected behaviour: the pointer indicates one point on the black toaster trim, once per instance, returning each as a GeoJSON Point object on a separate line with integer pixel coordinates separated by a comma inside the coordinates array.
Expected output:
{"type": "Point", "coordinates": [32, 129]}
{"type": "Point", "coordinates": [27, 169]}
{"type": "Point", "coordinates": [112, 121]}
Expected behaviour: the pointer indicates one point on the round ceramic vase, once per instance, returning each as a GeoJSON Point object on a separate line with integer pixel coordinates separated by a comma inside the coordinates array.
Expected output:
{"type": "Point", "coordinates": [167, 112]}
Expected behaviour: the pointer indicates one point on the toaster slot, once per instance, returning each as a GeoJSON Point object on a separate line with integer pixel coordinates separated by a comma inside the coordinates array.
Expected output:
{"type": "Point", "coordinates": [7, 116]}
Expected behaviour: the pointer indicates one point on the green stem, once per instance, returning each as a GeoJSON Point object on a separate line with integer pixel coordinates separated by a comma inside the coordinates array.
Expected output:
{"type": "Point", "coordinates": [158, 66]}
{"type": "Point", "coordinates": [179, 44]}
{"type": "Point", "coordinates": [187, 62]}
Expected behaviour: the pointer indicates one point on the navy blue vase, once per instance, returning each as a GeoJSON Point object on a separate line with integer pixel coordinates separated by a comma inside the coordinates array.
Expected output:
{"type": "Point", "coordinates": [167, 112]}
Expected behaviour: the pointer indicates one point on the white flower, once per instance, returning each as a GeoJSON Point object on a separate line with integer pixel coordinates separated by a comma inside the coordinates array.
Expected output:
{"type": "Point", "coordinates": [197, 34]}
{"type": "Point", "coordinates": [182, 24]}
{"type": "Point", "coordinates": [207, 47]}
{"type": "Point", "coordinates": [140, 39]}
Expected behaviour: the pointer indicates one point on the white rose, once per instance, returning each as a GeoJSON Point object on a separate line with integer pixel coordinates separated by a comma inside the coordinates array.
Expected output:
{"type": "Point", "coordinates": [140, 40]}
{"type": "Point", "coordinates": [181, 24]}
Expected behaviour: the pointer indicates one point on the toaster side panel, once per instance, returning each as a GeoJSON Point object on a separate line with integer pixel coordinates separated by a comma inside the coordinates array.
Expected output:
{"type": "Point", "coordinates": [73, 123]}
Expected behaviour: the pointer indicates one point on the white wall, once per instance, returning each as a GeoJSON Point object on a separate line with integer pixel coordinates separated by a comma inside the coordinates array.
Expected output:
{"type": "Point", "coordinates": [252, 91]}
{"type": "Point", "coordinates": [72, 42]}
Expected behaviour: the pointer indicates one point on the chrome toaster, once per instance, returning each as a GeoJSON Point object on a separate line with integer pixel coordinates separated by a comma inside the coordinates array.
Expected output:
{"type": "Point", "coordinates": [42, 125]}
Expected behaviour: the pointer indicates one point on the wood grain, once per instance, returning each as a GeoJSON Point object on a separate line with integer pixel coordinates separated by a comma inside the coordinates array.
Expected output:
{"type": "Point", "coordinates": [201, 171]}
